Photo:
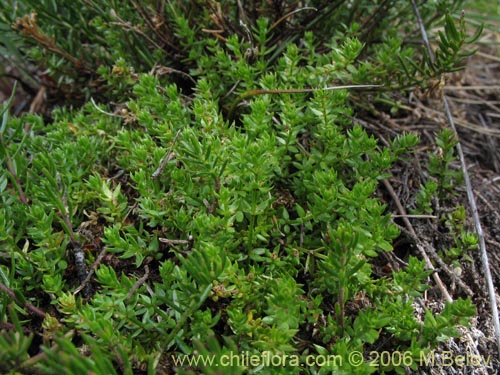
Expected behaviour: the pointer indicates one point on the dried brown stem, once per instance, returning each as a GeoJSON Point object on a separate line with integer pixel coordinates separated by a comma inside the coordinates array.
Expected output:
{"type": "Point", "coordinates": [415, 238]}
{"type": "Point", "coordinates": [138, 283]}
{"type": "Point", "coordinates": [28, 27]}
{"type": "Point", "coordinates": [169, 156]}
{"type": "Point", "coordinates": [91, 271]}
{"type": "Point", "coordinates": [35, 310]}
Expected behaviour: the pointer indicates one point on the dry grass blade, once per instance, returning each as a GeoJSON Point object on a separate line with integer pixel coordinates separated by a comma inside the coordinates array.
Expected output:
{"type": "Point", "coordinates": [477, 87]}
{"type": "Point", "coordinates": [465, 124]}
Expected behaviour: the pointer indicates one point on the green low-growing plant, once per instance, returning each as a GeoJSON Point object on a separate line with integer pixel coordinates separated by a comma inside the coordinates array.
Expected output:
{"type": "Point", "coordinates": [181, 42]}
{"type": "Point", "coordinates": [239, 220]}
{"type": "Point", "coordinates": [449, 56]}
{"type": "Point", "coordinates": [435, 197]}
{"type": "Point", "coordinates": [443, 174]}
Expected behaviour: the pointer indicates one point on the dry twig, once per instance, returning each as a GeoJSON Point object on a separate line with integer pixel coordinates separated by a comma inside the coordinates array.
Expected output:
{"type": "Point", "coordinates": [91, 271]}
{"type": "Point", "coordinates": [138, 283]}
{"type": "Point", "coordinates": [169, 156]}
{"type": "Point", "coordinates": [29, 306]}
{"type": "Point", "coordinates": [418, 243]}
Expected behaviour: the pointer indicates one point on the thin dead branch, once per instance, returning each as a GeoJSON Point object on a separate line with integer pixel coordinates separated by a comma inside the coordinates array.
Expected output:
{"type": "Point", "coordinates": [28, 27]}
{"type": "Point", "coordinates": [35, 310]}
{"type": "Point", "coordinates": [169, 156]}
{"type": "Point", "coordinates": [420, 246]}
{"type": "Point", "coordinates": [281, 19]}
{"type": "Point", "coordinates": [91, 271]}
{"type": "Point", "coordinates": [138, 283]}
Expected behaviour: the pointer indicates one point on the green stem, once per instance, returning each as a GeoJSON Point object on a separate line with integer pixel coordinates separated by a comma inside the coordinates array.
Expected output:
{"type": "Point", "coordinates": [195, 305]}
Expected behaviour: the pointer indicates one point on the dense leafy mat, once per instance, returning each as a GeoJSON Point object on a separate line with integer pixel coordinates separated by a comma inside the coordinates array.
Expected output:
{"type": "Point", "coordinates": [227, 203]}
